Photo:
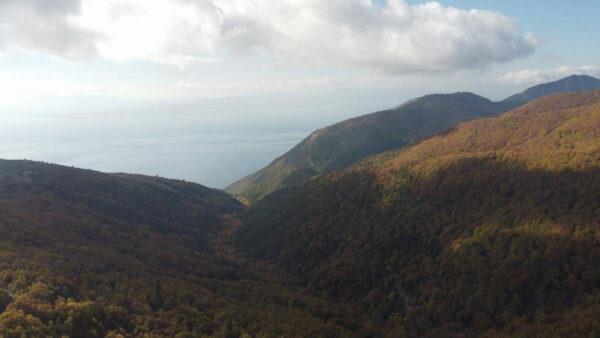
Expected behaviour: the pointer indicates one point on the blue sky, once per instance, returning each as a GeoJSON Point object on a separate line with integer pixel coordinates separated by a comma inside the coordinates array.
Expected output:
{"type": "Point", "coordinates": [567, 29]}
{"type": "Point", "coordinates": [261, 66]}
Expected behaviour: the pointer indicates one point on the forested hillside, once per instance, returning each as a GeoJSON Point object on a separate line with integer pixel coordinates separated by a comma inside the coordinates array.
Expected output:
{"type": "Point", "coordinates": [491, 229]}
{"type": "Point", "coordinates": [343, 144]}
{"type": "Point", "coordinates": [88, 254]}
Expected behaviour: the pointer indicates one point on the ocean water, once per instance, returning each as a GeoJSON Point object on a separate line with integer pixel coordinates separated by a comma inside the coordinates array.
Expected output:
{"type": "Point", "coordinates": [160, 147]}
{"type": "Point", "coordinates": [212, 159]}
{"type": "Point", "coordinates": [213, 143]}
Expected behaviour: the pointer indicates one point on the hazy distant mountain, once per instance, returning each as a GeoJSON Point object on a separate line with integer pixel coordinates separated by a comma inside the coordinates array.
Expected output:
{"type": "Point", "coordinates": [345, 143]}
{"type": "Point", "coordinates": [342, 144]}
{"type": "Point", "coordinates": [89, 254]}
{"type": "Point", "coordinates": [573, 83]}
{"type": "Point", "coordinates": [491, 229]}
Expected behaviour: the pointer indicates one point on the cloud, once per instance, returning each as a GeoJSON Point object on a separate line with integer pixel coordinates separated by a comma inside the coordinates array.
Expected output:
{"type": "Point", "coordinates": [535, 75]}
{"type": "Point", "coordinates": [394, 38]}
{"type": "Point", "coordinates": [45, 27]}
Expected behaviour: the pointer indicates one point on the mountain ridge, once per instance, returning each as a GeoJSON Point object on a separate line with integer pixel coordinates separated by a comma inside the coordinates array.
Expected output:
{"type": "Point", "coordinates": [573, 83]}
{"type": "Point", "coordinates": [342, 144]}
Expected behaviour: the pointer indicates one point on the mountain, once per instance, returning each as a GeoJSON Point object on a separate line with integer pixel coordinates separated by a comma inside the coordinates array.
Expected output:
{"type": "Point", "coordinates": [573, 83]}
{"type": "Point", "coordinates": [489, 229]}
{"type": "Point", "coordinates": [342, 144]}
{"type": "Point", "coordinates": [89, 254]}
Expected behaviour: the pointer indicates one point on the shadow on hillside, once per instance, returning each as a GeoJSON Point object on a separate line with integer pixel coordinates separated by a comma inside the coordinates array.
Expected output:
{"type": "Point", "coordinates": [454, 200]}
{"type": "Point", "coordinates": [474, 240]}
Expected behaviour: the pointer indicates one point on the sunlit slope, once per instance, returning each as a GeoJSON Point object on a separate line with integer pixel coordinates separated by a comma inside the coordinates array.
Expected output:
{"type": "Point", "coordinates": [490, 228]}
{"type": "Point", "coordinates": [556, 132]}
{"type": "Point", "coordinates": [345, 143]}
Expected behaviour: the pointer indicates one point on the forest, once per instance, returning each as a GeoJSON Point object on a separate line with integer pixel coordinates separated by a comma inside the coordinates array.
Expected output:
{"type": "Point", "coordinates": [490, 229]}
{"type": "Point", "coordinates": [88, 254]}
{"type": "Point", "coordinates": [299, 169]}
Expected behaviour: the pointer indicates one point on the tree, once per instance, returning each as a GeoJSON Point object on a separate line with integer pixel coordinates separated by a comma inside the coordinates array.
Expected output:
{"type": "Point", "coordinates": [157, 301]}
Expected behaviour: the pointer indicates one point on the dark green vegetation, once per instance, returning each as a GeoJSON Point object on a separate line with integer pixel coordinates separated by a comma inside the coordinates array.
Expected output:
{"type": "Point", "coordinates": [343, 144]}
{"type": "Point", "coordinates": [491, 229]}
{"type": "Point", "coordinates": [87, 254]}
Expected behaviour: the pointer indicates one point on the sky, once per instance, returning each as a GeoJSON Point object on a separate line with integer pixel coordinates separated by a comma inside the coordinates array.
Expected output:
{"type": "Point", "coordinates": [76, 74]}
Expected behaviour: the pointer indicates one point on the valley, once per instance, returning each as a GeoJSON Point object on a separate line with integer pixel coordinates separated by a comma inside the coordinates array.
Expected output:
{"type": "Point", "coordinates": [489, 228]}
{"type": "Point", "coordinates": [299, 169]}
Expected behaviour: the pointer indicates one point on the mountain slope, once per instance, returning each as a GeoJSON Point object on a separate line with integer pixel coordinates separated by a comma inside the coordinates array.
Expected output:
{"type": "Point", "coordinates": [86, 254]}
{"type": "Point", "coordinates": [342, 144]}
{"type": "Point", "coordinates": [490, 229]}
{"type": "Point", "coordinates": [573, 83]}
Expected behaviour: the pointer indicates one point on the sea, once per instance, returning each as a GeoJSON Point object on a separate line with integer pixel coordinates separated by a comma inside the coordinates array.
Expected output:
{"type": "Point", "coordinates": [212, 142]}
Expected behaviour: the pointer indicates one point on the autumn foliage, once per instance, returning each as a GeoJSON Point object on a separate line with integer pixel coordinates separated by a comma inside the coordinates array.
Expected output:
{"type": "Point", "coordinates": [492, 228]}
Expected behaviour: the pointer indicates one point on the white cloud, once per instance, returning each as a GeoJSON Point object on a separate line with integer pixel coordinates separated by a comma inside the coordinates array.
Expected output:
{"type": "Point", "coordinates": [46, 27]}
{"type": "Point", "coordinates": [396, 38]}
{"type": "Point", "coordinates": [535, 75]}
